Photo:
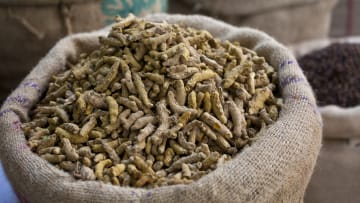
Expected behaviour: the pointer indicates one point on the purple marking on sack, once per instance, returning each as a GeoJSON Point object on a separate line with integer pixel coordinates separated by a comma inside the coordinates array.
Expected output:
{"type": "Point", "coordinates": [305, 99]}
{"type": "Point", "coordinates": [284, 63]}
{"type": "Point", "coordinates": [33, 85]}
{"type": "Point", "coordinates": [23, 146]}
{"type": "Point", "coordinates": [148, 194]}
{"type": "Point", "coordinates": [18, 99]}
{"type": "Point", "coordinates": [3, 112]}
{"type": "Point", "coordinates": [16, 125]}
{"type": "Point", "coordinates": [291, 80]}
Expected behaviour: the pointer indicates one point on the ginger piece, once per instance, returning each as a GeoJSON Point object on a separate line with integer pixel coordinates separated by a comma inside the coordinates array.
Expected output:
{"type": "Point", "coordinates": [133, 171]}
{"type": "Point", "coordinates": [207, 102]}
{"type": "Point", "coordinates": [162, 146]}
{"type": "Point", "coordinates": [111, 152]}
{"type": "Point", "coordinates": [80, 107]}
{"type": "Point", "coordinates": [141, 164]}
{"type": "Point", "coordinates": [53, 158]}
{"type": "Point", "coordinates": [123, 23]}
{"type": "Point", "coordinates": [45, 142]}
{"type": "Point", "coordinates": [155, 77]}
{"type": "Point", "coordinates": [56, 110]}
{"type": "Point", "coordinates": [117, 169]}
{"type": "Point", "coordinates": [127, 80]}
{"type": "Point", "coordinates": [67, 166]}
{"type": "Point", "coordinates": [258, 101]}
{"type": "Point", "coordinates": [177, 108]}
{"type": "Point", "coordinates": [177, 148]}
{"type": "Point", "coordinates": [113, 109]}
{"type": "Point", "coordinates": [183, 120]}
{"type": "Point", "coordinates": [163, 114]}
{"type": "Point", "coordinates": [86, 161]}
{"type": "Point", "coordinates": [155, 90]}
{"type": "Point", "coordinates": [87, 173]}
{"type": "Point", "coordinates": [169, 154]}
{"type": "Point", "coordinates": [74, 139]}
{"type": "Point", "coordinates": [71, 127]}
{"type": "Point", "coordinates": [99, 168]}
{"type": "Point", "coordinates": [158, 166]}
{"type": "Point", "coordinates": [143, 121]}
{"type": "Point", "coordinates": [130, 59]}
{"type": "Point", "coordinates": [217, 107]}
{"type": "Point", "coordinates": [186, 172]}
{"type": "Point", "coordinates": [182, 56]}
{"type": "Point", "coordinates": [180, 93]}
{"type": "Point", "coordinates": [191, 102]}
{"type": "Point", "coordinates": [70, 152]}
{"type": "Point", "coordinates": [230, 76]}
{"type": "Point", "coordinates": [216, 125]}
{"type": "Point", "coordinates": [204, 148]}
{"type": "Point", "coordinates": [265, 117]}
{"type": "Point", "coordinates": [154, 42]}
{"type": "Point", "coordinates": [261, 79]}
{"type": "Point", "coordinates": [87, 127]}
{"type": "Point", "coordinates": [145, 132]}
{"type": "Point", "coordinates": [238, 118]}
{"type": "Point", "coordinates": [210, 160]}
{"type": "Point", "coordinates": [207, 131]}
{"type": "Point", "coordinates": [50, 150]}
{"type": "Point", "coordinates": [105, 83]}
{"type": "Point", "coordinates": [192, 158]}
{"type": "Point", "coordinates": [141, 90]}
{"type": "Point", "coordinates": [132, 119]}
{"type": "Point", "coordinates": [182, 141]}
{"type": "Point", "coordinates": [174, 72]}
{"type": "Point", "coordinates": [198, 77]}
{"type": "Point", "coordinates": [251, 83]}
{"type": "Point", "coordinates": [212, 63]}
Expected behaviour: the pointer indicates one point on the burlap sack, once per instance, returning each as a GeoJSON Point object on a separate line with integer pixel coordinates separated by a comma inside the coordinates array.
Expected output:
{"type": "Point", "coordinates": [29, 28]}
{"type": "Point", "coordinates": [289, 21]}
{"type": "Point", "coordinates": [336, 177]}
{"type": "Point", "coordinates": [339, 122]}
{"type": "Point", "coordinates": [276, 168]}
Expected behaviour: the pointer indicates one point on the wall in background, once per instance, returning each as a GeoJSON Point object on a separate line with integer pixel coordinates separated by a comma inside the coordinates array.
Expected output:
{"type": "Point", "coordinates": [346, 18]}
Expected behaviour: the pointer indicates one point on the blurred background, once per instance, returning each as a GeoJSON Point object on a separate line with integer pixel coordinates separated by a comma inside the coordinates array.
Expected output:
{"type": "Point", "coordinates": [29, 28]}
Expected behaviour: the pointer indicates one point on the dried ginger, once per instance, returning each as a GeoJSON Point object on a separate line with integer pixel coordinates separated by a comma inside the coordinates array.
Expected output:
{"type": "Point", "coordinates": [156, 104]}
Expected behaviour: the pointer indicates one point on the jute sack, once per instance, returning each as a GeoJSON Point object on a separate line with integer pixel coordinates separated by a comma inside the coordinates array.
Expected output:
{"type": "Point", "coordinates": [289, 21]}
{"type": "Point", "coordinates": [339, 155]}
{"type": "Point", "coordinates": [276, 168]}
{"type": "Point", "coordinates": [29, 28]}
{"type": "Point", "coordinates": [339, 122]}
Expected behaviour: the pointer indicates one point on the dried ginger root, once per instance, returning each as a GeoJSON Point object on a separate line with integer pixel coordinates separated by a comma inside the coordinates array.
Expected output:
{"type": "Point", "coordinates": [156, 104]}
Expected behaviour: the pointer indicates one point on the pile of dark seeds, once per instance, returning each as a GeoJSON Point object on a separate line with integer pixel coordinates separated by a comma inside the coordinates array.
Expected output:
{"type": "Point", "coordinates": [334, 74]}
